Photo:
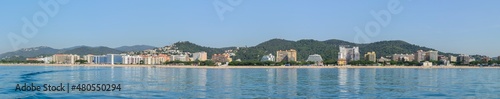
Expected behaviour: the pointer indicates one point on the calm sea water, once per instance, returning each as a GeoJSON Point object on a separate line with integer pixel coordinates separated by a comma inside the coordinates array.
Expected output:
{"type": "Point", "coordinates": [256, 83]}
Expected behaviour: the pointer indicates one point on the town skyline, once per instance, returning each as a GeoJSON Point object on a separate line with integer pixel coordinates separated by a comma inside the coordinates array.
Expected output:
{"type": "Point", "coordinates": [441, 25]}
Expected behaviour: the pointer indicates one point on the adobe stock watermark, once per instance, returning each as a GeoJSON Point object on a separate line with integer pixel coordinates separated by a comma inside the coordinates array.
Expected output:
{"type": "Point", "coordinates": [382, 19]}
{"type": "Point", "coordinates": [50, 8]}
{"type": "Point", "coordinates": [222, 7]}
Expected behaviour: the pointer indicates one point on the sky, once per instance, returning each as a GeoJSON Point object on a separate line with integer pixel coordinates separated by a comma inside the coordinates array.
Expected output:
{"type": "Point", "coordinates": [456, 26]}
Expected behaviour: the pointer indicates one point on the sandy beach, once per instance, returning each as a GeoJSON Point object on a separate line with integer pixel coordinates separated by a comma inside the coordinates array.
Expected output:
{"type": "Point", "coordinates": [217, 67]}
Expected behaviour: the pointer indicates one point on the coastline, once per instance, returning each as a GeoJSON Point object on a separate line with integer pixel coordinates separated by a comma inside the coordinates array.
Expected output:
{"type": "Point", "coordinates": [236, 67]}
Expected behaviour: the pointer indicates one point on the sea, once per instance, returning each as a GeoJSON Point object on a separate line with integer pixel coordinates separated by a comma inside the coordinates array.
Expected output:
{"type": "Point", "coordinates": [166, 83]}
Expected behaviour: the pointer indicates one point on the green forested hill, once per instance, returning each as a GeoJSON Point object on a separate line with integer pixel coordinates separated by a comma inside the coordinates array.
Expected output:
{"type": "Point", "coordinates": [327, 49]}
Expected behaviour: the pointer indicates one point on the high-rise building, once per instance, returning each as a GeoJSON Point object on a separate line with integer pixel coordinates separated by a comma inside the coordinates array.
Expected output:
{"type": "Point", "coordinates": [65, 58]}
{"type": "Point", "coordinates": [432, 55]}
{"type": "Point", "coordinates": [287, 55]}
{"type": "Point", "coordinates": [349, 54]}
{"type": "Point", "coordinates": [132, 59]}
{"type": "Point", "coordinates": [108, 59]}
{"type": "Point", "coordinates": [89, 58]}
{"type": "Point", "coordinates": [269, 57]}
{"type": "Point", "coordinates": [371, 56]}
{"type": "Point", "coordinates": [222, 58]}
{"type": "Point", "coordinates": [200, 56]}
{"type": "Point", "coordinates": [419, 56]}
{"type": "Point", "coordinates": [464, 59]}
{"type": "Point", "coordinates": [114, 59]}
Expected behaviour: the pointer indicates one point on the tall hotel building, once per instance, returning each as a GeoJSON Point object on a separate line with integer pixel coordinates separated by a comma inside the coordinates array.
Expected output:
{"type": "Point", "coordinates": [287, 55]}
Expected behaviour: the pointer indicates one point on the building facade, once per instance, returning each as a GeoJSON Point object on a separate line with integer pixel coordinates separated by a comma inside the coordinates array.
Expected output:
{"type": "Point", "coordinates": [453, 58]}
{"type": "Point", "coordinates": [128, 59]}
{"type": "Point", "coordinates": [287, 55]}
{"type": "Point", "coordinates": [371, 56]}
{"type": "Point", "coordinates": [157, 59]}
{"type": "Point", "coordinates": [419, 56]}
{"type": "Point", "coordinates": [269, 57]}
{"type": "Point", "coordinates": [89, 58]}
{"type": "Point", "coordinates": [403, 57]}
{"type": "Point", "coordinates": [65, 58]}
{"type": "Point", "coordinates": [200, 56]}
{"type": "Point", "coordinates": [316, 58]}
{"type": "Point", "coordinates": [432, 55]}
{"type": "Point", "coordinates": [181, 57]}
{"type": "Point", "coordinates": [464, 59]}
{"type": "Point", "coordinates": [349, 54]}
{"type": "Point", "coordinates": [222, 58]}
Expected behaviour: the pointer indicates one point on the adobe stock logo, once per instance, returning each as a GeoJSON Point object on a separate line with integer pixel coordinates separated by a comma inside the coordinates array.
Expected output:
{"type": "Point", "coordinates": [50, 8]}
{"type": "Point", "coordinates": [221, 8]}
{"type": "Point", "coordinates": [382, 19]}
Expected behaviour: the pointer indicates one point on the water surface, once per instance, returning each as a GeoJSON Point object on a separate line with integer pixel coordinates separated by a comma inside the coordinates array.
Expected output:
{"type": "Point", "coordinates": [137, 82]}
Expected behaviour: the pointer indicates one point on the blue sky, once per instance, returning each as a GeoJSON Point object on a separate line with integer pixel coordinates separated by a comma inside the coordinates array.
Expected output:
{"type": "Point", "coordinates": [458, 26]}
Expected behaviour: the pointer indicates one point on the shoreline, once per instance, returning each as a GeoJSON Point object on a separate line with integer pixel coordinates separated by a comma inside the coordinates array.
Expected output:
{"type": "Point", "coordinates": [236, 67]}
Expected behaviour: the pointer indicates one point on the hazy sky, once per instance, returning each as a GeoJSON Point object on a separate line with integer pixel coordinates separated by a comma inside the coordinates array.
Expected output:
{"type": "Point", "coordinates": [458, 26]}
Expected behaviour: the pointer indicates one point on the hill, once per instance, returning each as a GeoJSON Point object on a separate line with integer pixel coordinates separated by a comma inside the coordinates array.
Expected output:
{"type": "Point", "coordinates": [30, 52]}
{"type": "Point", "coordinates": [92, 50]}
{"type": "Point", "coordinates": [187, 46]}
{"type": "Point", "coordinates": [327, 49]}
{"type": "Point", "coordinates": [134, 48]}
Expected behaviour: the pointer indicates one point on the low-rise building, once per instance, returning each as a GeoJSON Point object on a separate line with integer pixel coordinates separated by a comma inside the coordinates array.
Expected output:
{"type": "Point", "coordinates": [316, 58]}
{"type": "Point", "coordinates": [222, 58]}
{"type": "Point", "coordinates": [269, 57]}
{"type": "Point", "coordinates": [403, 57]}
{"type": "Point", "coordinates": [426, 63]}
{"type": "Point", "coordinates": [181, 57]}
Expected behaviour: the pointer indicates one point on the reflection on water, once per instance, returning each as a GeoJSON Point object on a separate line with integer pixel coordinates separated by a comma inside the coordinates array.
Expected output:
{"type": "Point", "coordinates": [257, 83]}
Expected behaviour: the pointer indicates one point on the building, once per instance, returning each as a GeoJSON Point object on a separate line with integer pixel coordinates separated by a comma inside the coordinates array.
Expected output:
{"type": "Point", "coordinates": [464, 59]}
{"type": "Point", "coordinates": [383, 59]}
{"type": "Point", "coordinates": [498, 58]}
{"type": "Point", "coordinates": [89, 58]}
{"type": "Point", "coordinates": [453, 58]}
{"type": "Point", "coordinates": [485, 59]}
{"type": "Point", "coordinates": [34, 59]}
{"type": "Point", "coordinates": [269, 57]}
{"type": "Point", "coordinates": [160, 59]}
{"type": "Point", "coordinates": [419, 56]}
{"type": "Point", "coordinates": [200, 56]}
{"type": "Point", "coordinates": [432, 55]}
{"type": "Point", "coordinates": [443, 58]}
{"type": "Point", "coordinates": [108, 59]}
{"type": "Point", "coordinates": [403, 57]}
{"type": "Point", "coordinates": [100, 59]}
{"type": "Point", "coordinates": [114, 59]}
{"type": "Point", "coordinates": [287, 55]}
{"type": "Point", "coordinates": [65, 58]}
{"type": "Point", "coordinates": [371, 56]}
{"type": "Point", "coordinates": [222, 58]}
{"type": "Point", "coordinates": [127, 59]}
{"type": "Point", "coordinates": [426, 63]}
{"type": "Point", "coordinates": [316, 58]}
{"type": "Point", "coordinates": [181, 57]}
{"type": "Point", "coordinates": [348, 54]}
